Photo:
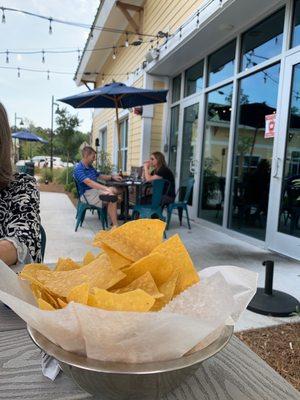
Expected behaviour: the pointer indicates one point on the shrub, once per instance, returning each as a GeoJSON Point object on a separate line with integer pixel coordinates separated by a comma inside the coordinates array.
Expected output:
{"type": "Point", "coordinates": [65, 175]}
{"type": "Point", "coordinates": [46, 175]}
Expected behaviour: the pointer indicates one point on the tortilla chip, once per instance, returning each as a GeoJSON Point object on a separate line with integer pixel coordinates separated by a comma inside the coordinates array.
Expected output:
{"type": "Point", "coordinates": [43, 305]}
{"type": "Point", "coordinates": [88, 258]}
{"type": "Point", "coordinates": [61, 303]}
{"type": "Point", "coordinates": [167, 289]}
{"type": "Point", "coordinates": [135, 239]}
{"type": "Point", "coordinates": [66, 264]}
{"type": "Point", "coordinates": [117, 261]}
{"type": "Point", "coordinates": [144, 282]}
{"type": "Point", "coordinates": [30, 270]}
{"type": "Point", "coordinates": [157, 264]}
{"type": "Point", "coordinates": [79, 294]}
{"type": "Point", "coordinates": [136, 300]}
{"type": "Point", "coordinates": [64, 281]}
{"type": "Point", "coordinates": [174, 250]}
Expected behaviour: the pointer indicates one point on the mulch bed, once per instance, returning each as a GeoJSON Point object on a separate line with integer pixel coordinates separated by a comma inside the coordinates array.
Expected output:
{"type": "Point", "coordinates": [279, 346]}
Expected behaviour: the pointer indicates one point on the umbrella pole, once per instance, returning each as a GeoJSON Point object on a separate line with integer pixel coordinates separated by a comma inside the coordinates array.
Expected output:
{"type": "Point", "coordinates": [119, 138]}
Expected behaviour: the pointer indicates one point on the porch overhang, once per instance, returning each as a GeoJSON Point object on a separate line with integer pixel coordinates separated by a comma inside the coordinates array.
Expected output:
{"type": "Point", "coordinates": [108, 15]}
{"type": "Point", "coordinates": [218, 23]}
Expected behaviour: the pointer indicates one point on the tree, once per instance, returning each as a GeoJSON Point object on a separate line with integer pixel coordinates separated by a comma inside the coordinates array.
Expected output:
{"type": "Point", "coordinates": [68, 138]}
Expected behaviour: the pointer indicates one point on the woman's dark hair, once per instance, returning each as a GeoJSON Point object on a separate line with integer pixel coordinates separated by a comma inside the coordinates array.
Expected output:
{"type": "Point", "coordinates": [161, 161]}
{"type": "Point", "coordinates": [5, 149]}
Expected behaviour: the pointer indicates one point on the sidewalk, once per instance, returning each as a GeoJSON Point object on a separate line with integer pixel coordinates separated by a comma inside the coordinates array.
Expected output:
{"type": "Point", "coordinates": [206, 247]}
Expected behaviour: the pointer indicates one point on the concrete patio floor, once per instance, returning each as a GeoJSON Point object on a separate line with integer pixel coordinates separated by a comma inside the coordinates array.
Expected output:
{"type": "Point", "coordinates": [206, 246]}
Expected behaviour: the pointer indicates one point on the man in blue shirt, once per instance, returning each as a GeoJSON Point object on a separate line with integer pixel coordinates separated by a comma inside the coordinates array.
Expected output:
{"type": "Point", "coordinates": [92, 191]}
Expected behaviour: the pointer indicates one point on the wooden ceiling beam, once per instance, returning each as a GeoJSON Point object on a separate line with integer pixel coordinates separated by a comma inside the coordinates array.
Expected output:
{"type": "Point", "coordinates": [124, 7]}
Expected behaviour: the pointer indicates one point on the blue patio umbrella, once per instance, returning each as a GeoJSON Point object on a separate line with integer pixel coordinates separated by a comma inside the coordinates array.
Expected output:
{"type": "Point", "coordinates": [116, 95]}
{"type": "Point", "coordinates": [28, 137]}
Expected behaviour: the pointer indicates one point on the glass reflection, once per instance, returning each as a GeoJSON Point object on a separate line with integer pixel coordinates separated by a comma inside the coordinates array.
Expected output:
{"type": "Point", "coordinates": [253, 153]}
{"type": "Point", "coordinates": [194, 79]}
{"type": "Point", "coordinates": [173, 138]}
{"type": "Point", "coordinates": [296, 25]}
{"type": "Point", "coordinates": [189, 137]}
{"type": "Point", "coordinates": [217, 129]}
{"type": "Point", "coordinates": [221, 63]}
{"type": "Point", "coordinates": [263, 41]}
{"type": "Point", "coordinates": [176, 88]}
{"type": "Point", "coordinates": [289, 217]}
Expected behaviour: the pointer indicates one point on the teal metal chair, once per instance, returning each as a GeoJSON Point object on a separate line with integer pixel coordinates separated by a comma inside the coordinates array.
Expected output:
{"type": "Point", "coordinates": [154, 209]}
{"type": "Point", "coordinates": [82, 208]}
{"type": "Point", "coordinates": [43, 242]}
{"type": "Point", "coordinates": [181, 206]}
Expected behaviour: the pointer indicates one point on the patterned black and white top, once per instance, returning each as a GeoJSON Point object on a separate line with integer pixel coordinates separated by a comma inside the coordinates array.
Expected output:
{"type": "Point", "coordinates": [20, 217]}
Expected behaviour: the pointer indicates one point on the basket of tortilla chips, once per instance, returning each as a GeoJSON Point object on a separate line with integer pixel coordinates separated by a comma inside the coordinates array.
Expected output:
{"type": "Point", "coordinates": [138, 304]}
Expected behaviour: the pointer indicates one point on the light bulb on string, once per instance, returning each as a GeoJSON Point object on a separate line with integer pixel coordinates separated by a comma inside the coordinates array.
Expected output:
{"type": "Point", "coordinates": [197, 22]}
{"type": "Point", "coordinates": [114, 56]}
{"type": "Point", "coordinates": [19, 73]}
{"type": "Point", "coordinates": [7, 57]}
{"type": "Point", "coordinates": [43, 56]}
{"type": "Point", "coordinates": [78, 56]}
{"type": "Point", "coordinates": [50, 26]}
{"type": "Point", "coordinates": [48, 75]}
{"type": "Point", "coordinates": [126, 41]}
{"type": "Point", "coordinates": [102, 79]}
{"type": "Point", "coordinates": [92, 33]}
{"type": "Point", "coordinates": [3, 16]}
{"type": "Point", "coordinates": [180, 32]}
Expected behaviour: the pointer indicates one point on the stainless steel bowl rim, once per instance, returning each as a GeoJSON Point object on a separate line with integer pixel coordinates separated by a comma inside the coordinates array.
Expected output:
{"type": "Point", "coordinates": [112, 367]}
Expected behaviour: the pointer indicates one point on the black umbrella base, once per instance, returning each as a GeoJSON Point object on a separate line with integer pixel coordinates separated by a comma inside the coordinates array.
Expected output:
{"type": "Point", "coordinates": [278, 304]}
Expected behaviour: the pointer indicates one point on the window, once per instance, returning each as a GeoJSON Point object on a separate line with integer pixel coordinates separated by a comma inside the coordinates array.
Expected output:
{"type": "Point", "coordinates": [176, 88]}
{"type": "Point", "coordinates": [296, 25]}
{"type": "Point", "coordinates": [215, 153]}
{"type": "Point", "coordinates": [263, 41]}
{"type": "Point", "coordinates": [194, 79]}
{"type": "Point", "coordinates": [103, 139]}
{"type": "Point", "coordinates": [253, 153]}
{"type": "Point", "coordinates": [124, 143]}
{"type": "Point", "coordinates": [221, 63]}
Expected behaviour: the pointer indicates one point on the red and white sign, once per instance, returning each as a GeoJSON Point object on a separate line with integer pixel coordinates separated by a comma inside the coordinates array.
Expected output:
{"type": "Point", "coordinates": [270, 126]}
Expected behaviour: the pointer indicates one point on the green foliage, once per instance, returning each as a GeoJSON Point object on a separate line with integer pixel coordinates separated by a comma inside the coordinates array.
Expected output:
{"type": "Point", "coordinates": [70, 187]}
{"type": "Point", "coordinates": [65, 176]}
{"type": "Point", "coordinates": [105, 165]}
{"type": "Point", "coordinates": [46, 175]}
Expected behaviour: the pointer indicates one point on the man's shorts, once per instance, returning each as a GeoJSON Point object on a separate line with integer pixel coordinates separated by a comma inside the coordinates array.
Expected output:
{"type": "Point", "coordinates": [92, 196]}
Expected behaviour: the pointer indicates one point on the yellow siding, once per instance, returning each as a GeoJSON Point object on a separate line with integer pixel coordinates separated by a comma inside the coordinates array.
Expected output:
{"type": "Point", "coordinates": [157, 15]}
{"type": "Point", "coordinates": [157, 123]}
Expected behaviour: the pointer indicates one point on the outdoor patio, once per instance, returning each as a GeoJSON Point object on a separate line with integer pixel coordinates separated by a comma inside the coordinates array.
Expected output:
{"type": "Point", "coordinates": [207, 247]}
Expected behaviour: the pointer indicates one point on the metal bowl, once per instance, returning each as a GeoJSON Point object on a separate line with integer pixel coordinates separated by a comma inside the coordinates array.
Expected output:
{"type": "Point", "coordinates": [120, 381]}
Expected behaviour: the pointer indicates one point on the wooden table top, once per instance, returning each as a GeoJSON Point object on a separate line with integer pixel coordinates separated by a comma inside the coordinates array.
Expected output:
{"type": "Point", "coordinates": [236, 373]}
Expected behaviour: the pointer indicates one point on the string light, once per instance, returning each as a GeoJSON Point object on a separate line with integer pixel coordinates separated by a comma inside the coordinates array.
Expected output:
{"type": "Point", "coordinates": [72, 23]}
{"type": "Point", "coordinates": [7, 57]}
{"type": "Point", "coordinates": [19, 73]}
{"type": "Point", "coordinates": [43, 56]}
{"type": "Point", "coordinates": [126, 41]}
{"type": "Point", "coordinates": [114, 56]}
{"type": "Point", "coordinates": [197, 22]}
{"type": "Point", "coordinates": [91, 33]}
{"type": "Point", "coordinates": [78, 56]}
{"type": "Point", "coordinates": [3, 16]}
{"type": "Point", "coordinates": [180, 32]}
{"type": "Point", "coordinates": [48, 75]}
{"type": "Point", "coordinates": [50, 26]}
{"type": "Point", "coordinates": [102, 80]}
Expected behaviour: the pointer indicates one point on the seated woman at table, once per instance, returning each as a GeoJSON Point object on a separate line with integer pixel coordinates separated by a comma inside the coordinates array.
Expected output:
{"type": "Point", "coordinates": [156, 168]}
{"type": "Point", "coordinates": [19, 207]}
{"type": "Point", "coordinates": [92, 191]}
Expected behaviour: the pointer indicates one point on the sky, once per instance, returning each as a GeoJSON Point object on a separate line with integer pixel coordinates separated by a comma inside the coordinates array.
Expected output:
{"type": "Point", "coordinates": [30, 95]}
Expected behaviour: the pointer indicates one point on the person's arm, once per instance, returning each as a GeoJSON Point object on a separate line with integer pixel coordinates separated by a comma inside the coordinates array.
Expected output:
{"type": "Point", "coordinates": [8, 252]}
{"type": "Point", "coordinates": [95, 185]}
{"type": "Point", "coordinates": [111, 177]}
{"type": "Point", "coordinates": [147, 175]}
